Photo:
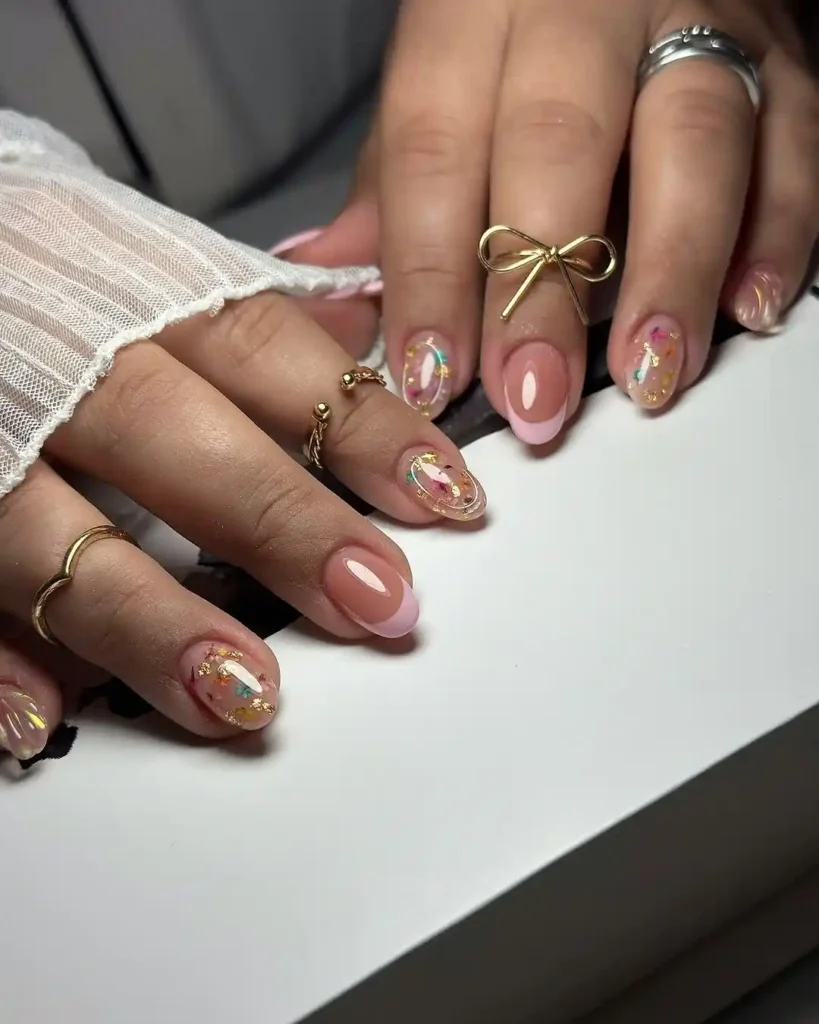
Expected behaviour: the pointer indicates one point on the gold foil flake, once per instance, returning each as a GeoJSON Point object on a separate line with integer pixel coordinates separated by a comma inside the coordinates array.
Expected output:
{"type": "Point", "coordinates": [204, 668]}
{"type": "Point", "coordinates": [264, 706]}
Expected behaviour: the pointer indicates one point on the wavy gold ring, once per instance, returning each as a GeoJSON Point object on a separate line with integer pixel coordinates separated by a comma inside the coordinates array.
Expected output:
{"type": "Point", "coordinates": [66, 574]}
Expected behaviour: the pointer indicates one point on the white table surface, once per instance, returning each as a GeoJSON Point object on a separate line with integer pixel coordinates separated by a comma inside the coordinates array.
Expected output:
{"type": "Point", "coordinates": [641, 604]}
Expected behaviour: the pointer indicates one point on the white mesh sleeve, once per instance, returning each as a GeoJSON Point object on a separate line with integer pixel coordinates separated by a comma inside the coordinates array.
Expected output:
{"type": "Point", "coordinates": [88, 265]}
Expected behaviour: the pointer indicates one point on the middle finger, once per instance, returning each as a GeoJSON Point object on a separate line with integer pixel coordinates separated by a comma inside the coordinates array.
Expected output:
{"type": "Point", "coordinates": [558, 140]}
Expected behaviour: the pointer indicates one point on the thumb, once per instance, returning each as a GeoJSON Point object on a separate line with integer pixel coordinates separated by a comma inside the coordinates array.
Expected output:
{"type": "Point", "coordinates": [352, 239]}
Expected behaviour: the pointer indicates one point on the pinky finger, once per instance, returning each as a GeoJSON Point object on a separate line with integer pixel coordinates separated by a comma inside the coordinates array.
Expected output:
{"type": "Point", "coordinates": [783, 219]}
{"type": "Point", "coordinates": [30, 704]}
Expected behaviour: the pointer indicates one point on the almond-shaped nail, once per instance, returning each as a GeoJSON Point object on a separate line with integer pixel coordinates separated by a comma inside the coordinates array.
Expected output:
{"type": "Point", "coordinates": [449, 491]}
{"type": "Point", "coordinates": [653, 362]}
{"type": "Point", "coordinates": [371, 592]}
{"type": "Point", "coordinates": [231, 684]}
{"type": "Point", "coordinates": [758, 302]}
{"type": "Point", "coordinates": [427, 377]}
{"type": "Point", "coordinates": [23, 726]}
{"type": "Point", "coordinates": [294, 241]}
{"type": "Point", "coordinates": [536, 390]}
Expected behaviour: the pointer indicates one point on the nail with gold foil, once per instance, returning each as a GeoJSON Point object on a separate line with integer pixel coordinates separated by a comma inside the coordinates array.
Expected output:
{"type": "Point", "coordinates": [449, 491]}
{"type": "Point", "coordinates": [23, 726]}
{"type": "Point", "coordinates": [654, 361]}
{"type": "Point", "coordinates": [231, 684]}
{"type": "Point", "coordinates": [427, 378]}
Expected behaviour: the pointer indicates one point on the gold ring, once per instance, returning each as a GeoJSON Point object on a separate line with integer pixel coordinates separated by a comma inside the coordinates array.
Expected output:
{"type": "Point", "coordinates": [66, 574]}
{"type": "Point", "coordinates": [323, 413]}
{"type": "Point", "coordinates": [537, 255]}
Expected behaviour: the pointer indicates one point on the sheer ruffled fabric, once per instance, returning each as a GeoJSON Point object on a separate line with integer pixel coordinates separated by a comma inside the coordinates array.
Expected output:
{"type": "Point", "coordinates": [88, 265]}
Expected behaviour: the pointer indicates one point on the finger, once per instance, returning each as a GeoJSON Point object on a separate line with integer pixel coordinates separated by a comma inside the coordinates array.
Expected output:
{"type": "Point", "coordinates": [178, 447]}
{"type": "Point", "coordinates": [123, 612]}
{"type": "Point", "coordinates": [351, 316]}
{"type": "Point", "coordinates": [438, 107]}
{"type": "Point", "coordinates": [783, 219]}
{"type": "Point", "coordinates": [692, 146]}
{"type": "Point", "coordinates": [276, 366]}
{"type": "Point", "coordinates": [30, 704]}
{"type": "Point", "coordinates": [558, 140]}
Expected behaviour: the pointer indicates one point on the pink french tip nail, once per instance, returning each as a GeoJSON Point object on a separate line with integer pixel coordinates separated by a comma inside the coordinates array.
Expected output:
{"type": "Point", "coordinates": [343, 293]}
{"type": "Point", "coordinates": [23, 726]}
{"type": "Point", "coordinates": [654, 362]}
{"type": "Point", "coordinates": [371, 592]}
{"type": "Point", "coordinates": [758, 302]}
{"type": "Point", "coordinates": [536, 391]}
{"type": "Point", "coordinates": [294, 241]}
{"type": "Point", "coordinates": [231, 684]}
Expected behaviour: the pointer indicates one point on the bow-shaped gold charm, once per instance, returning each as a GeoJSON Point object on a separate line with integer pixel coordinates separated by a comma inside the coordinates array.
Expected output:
{"type": "Point", "coordinates": [539, 256]}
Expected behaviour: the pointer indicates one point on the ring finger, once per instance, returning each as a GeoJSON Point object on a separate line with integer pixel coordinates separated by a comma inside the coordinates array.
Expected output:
{"type": "Point", "coordinates": [691, 154]}
{"type": "Point", "coordinates": [558, 140]}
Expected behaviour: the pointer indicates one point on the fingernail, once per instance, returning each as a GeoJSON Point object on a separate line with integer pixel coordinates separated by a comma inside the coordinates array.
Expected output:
{"type": "Point", "coordinates": [654, 361]}
{"type": "Point", "coordinates": [371, 592]}
{"type": "Point", "coordinates": [449, 491]}
{"type": "Point", "coordinates": [343, 293]}
{"type": "Point", "coordinates": [230, 684]}
{"type": "Point", "coordinates": [23, 727]}
{"type": "Point", "coordinates": [536, 389]}
{"type": "Point", "coordinates": [758, 302]}
{"type": "Point", "coordinates": [427, 381]}
{"type": "Point", "coordinates": [294, 241]}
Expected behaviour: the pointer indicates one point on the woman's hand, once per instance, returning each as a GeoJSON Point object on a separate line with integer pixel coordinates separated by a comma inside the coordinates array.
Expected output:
{"type": "Point", "coordinates": [195, 425]}
{"type": "Point", "coordinates": [519, 112]}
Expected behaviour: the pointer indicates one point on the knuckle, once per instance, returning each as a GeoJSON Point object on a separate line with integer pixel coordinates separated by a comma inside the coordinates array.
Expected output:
{"type": "Point", "coordinates": [133, 400]}
{"type": "Point", "coordinates": [424, 148]}
{"type": "Point", "coordinates": [706, 117]}
{"type": "Point", "coordinates": [359, 431]}
{"type": "Point", "coordinates": [109, 614]}
{"type": "Point", "coordinates": [253, 328]}
{"type": "Point", "coordinates": [276, 504]}
{"type": "Point", "coordinates": [429, 266]}
{"type": "Point", "coordinates": [552, 131]}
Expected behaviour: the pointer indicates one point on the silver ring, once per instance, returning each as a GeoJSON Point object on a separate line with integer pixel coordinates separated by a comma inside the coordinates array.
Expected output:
{"type": "Point", "coordinates": [702, 41]}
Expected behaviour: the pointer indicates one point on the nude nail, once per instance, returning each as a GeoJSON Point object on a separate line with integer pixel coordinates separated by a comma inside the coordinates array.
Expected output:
{"type": "Point", "coordinates": [23, 726]}
{"type": "Point", "coordinates": [231, 684]}
{"type": "Point", "coordinates": [536, 389]}
{"type": "Point", "coordinates": [427, 377]}
{"type": "Point", "coordinates": [758, 302]}
{"type": "Point", "coordinates": [443, 488]}
{"type": "Point", "coordinates": [371, 592]}
{"type": "Point", "coordinates": [654, 361]}
{"type": "Point", "coordinates": [294, 241]}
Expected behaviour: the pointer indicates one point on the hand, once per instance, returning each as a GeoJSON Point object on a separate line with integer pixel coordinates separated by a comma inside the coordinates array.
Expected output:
{"type": "Point", "coordinates": [194, 425]}
{"type": "Point", "coordinates": [525, 109]}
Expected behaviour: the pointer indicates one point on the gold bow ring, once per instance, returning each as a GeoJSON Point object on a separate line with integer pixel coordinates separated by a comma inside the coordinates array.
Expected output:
{"type": "Point", "coordinates": [539, 256]}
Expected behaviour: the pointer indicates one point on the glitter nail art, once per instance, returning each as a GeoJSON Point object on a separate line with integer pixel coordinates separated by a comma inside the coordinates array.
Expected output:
{"type": "Point", "coordinates": [427, 382]}
{"type": "Point", "coordinates": [758, 302]}
{"type": "Point", "coordinates": [447, 490]}
{"type": "Point", "coordinates": [654, 363]}
{"type": "Point", "coordinates": [23, 727]}
{"type": "Point", "coordinates": [231, 685]}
